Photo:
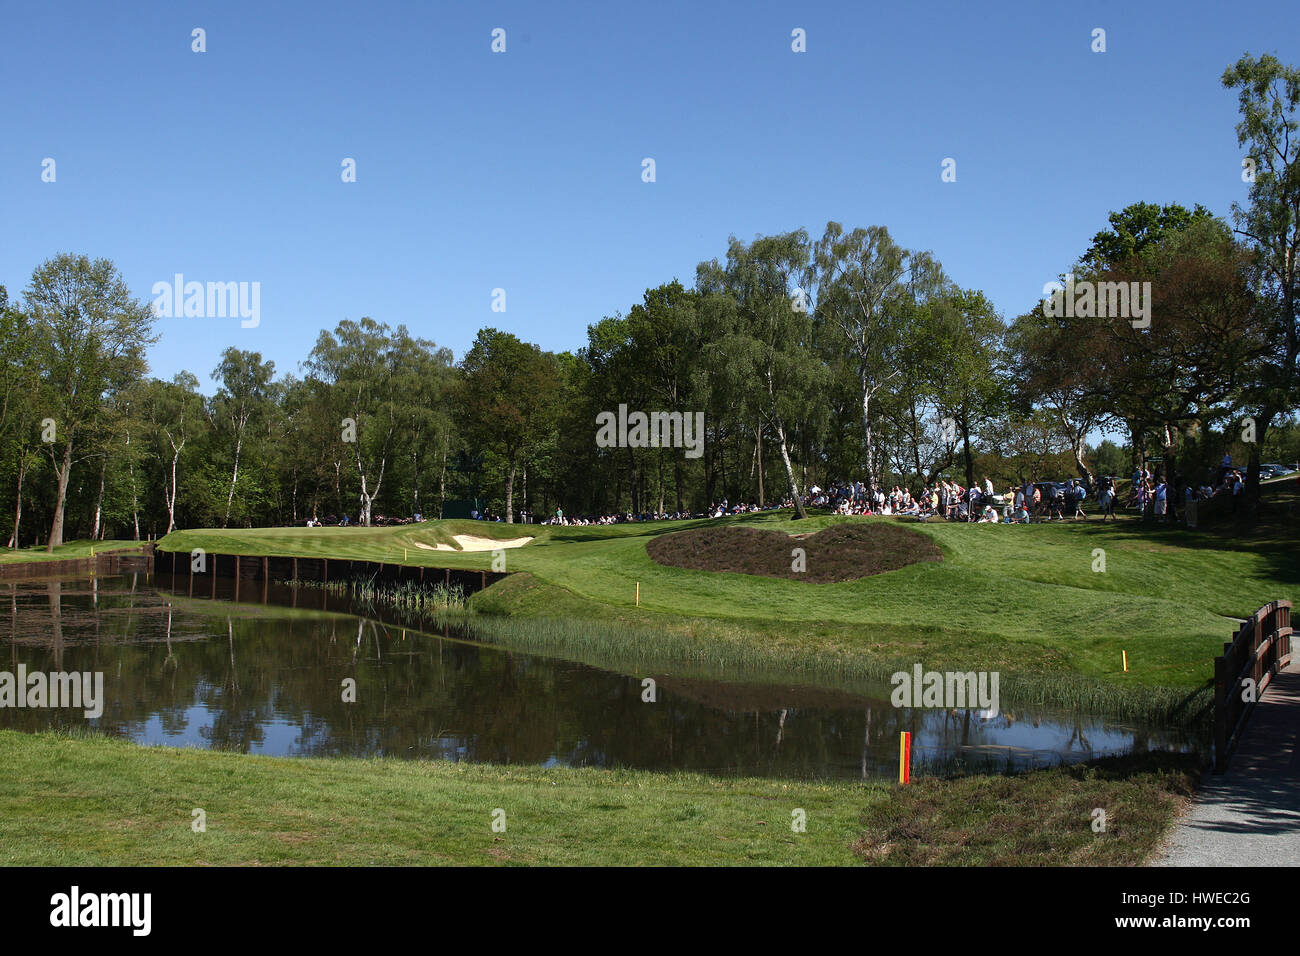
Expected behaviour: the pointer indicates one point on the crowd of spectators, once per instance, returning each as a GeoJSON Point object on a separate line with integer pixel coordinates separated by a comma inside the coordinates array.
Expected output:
{"type": "Point", "coordinates": [1150, 493]}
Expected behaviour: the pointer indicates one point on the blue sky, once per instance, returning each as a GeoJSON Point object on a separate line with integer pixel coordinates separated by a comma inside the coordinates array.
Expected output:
{"type": "Point", "coordinates": [522, 170]}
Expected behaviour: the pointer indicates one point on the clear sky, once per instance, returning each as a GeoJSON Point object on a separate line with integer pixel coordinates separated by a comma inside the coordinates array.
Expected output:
{"type": "Point", "coordinates": [522, 170]}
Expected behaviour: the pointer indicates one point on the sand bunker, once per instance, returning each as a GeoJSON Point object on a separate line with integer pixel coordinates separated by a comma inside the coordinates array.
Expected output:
{"type": "Point", "coordinates": [469, 542]}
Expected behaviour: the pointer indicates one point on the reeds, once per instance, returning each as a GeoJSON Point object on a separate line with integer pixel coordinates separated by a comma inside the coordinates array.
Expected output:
{"type": "Point", "coordinates": [408, 598]}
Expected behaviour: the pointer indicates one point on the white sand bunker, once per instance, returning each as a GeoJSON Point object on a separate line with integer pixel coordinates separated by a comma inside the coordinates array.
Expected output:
{"type": "Point", "coordinates": [470, 542]}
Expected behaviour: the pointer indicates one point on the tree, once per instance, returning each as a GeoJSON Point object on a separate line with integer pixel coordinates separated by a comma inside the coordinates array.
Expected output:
{"type": "Point", "coordinates": [1162, 374]}
{"type": "Point", "coordinates": [175, 410]}
{"type": "Point", "coordinates": [767, 352]}
{"type": "Point", "coordinates": [91, 338]}
{"type": "Point", "coordinates": [244, 395]}
{"type": "Point", "coordinates": [867, 289]}
{"type": "Point", "coordinates": [18, 383]}
{"type": "Point", "coordinates": [358, 364]}
{"type": "Point", "coordinates": [1136, 227]}
{"type": "Point", "coordinates": [970, 380]}
{"type": "Point", "coordinates": [664, 345]}
{"type": "Point", "coordinates": [424, 374]}
{"type": "Point", "coordinates": [1268, 96]}
{"type": "Point", "coordinates": [506, 400]}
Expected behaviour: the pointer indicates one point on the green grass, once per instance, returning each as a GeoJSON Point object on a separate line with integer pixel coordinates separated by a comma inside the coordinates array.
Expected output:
{"type": "Point", "coordinates": [94, 801]}
{"type": "Point", "coordinates": [1023, 598]}
{"type": "Point", "coordinates": [69, 549]}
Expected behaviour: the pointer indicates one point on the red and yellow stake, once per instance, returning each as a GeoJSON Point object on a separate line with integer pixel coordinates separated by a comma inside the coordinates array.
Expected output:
{"type": "Point", "coordinates": [905, 757]}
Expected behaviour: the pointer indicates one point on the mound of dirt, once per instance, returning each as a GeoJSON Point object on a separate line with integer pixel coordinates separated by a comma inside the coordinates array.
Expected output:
{"type": "Point", "coordinates": [844, 552]}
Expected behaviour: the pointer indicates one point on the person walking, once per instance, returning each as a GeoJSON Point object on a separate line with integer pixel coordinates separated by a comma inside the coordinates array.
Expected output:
{"type": "Point", "coordinates": [1077, 494]}
{"type": "Point", "coordinates": [1106, 498]}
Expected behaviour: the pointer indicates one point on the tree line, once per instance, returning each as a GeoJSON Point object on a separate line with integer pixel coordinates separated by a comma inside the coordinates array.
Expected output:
{"type": "Point", "coordinates": [814, 360]}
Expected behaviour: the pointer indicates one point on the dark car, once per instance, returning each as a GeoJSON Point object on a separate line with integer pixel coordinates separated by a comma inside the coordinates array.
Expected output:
{"type": "Point", "coordinates": [1050, 489]}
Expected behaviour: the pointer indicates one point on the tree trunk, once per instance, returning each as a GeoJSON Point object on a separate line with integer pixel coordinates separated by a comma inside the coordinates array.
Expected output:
{"type": "Point", "coordinates": [635, 483]}
{"type": "Point", "coordinates": [510, 492]}
{"type": "Point", "coordinates": [966, 452]}
{"type": "Point", "coordinates": [758, 451]}
{"type": "Point", "coordinates": [135, 497]}
{"type": "Point", "coordinates": [789, 472]}
{"type": "Point", "coordinates": [868, 445]}
{"type": "Point", "coordinates": [234, 476]}
{"type": "Point", "coordinates": [18, 507]}
{"type": "Point", "coordinates": [1082, 466]}
{"type": "Point", "coordinates": [99, 502]}
{"type": "Point", "coordinates": [442, 481]}
{"type": "Point", "coordinates": [659, 476]}
{"type": "Point", "coordinates": [677, 481]}
{"type": "Point", "coordinates": [1251, 492]}
{"type": "Point", "coordinates": [171, 499]}
{"type": "Point", "coordinates": [64, 473]}
{"type": "Point", "coordinates": [415, 474]}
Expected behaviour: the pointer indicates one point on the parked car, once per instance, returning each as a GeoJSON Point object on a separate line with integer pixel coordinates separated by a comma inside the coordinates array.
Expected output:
{"type": "Point", "coordinates": [1049, 489]}
{"type": "Point", "coordinates": [1275, 471]}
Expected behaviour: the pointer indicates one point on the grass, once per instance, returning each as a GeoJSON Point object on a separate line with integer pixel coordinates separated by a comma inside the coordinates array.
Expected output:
{"type": "Point", "coordinates": [58, 791]}
{"type": "Point", "coordinates": [69, 549]}
{"type": "Point", "coordinates": [1019, 598]}
{"type": "Point", "coordinates": [1041, 818]}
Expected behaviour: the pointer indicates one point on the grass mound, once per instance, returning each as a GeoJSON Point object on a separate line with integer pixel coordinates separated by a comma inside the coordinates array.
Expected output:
{"type": "Point", "coordinates": [844, 552]}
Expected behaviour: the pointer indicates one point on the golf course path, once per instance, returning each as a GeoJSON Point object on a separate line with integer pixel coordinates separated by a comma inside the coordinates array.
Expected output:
{"type": "Point", "coordinates": [1250, 816]}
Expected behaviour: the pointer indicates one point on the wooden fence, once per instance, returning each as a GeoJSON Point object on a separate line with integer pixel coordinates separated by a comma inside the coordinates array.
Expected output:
{"type": "Point", "coordinates": [1260, 648]}
{"type": "Point", "coordinates": [247, 571]}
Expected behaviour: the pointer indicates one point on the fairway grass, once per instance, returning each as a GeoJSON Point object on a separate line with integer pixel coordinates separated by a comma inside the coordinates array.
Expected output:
{"type": "Point", "coordinates": [65, 551]}
{"type": "Point", "coordinates": [95, 801]}
{"type": "Point", "coordinates": [1023, 598]}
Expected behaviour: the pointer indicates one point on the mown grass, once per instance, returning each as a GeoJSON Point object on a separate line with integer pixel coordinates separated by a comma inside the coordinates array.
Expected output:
{"type": "Point", "coordinates": [824, 654]}
{"type": "Point", "coordinates": [65, 551]}
{"type": "Point", "coordinates": [92, 801]}
{"type": "Point", "coordinates": [1022, 597]}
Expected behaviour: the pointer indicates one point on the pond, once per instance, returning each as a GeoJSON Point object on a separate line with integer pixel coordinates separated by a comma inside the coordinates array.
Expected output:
{"type": "Point", "coordinates": [270, 679]}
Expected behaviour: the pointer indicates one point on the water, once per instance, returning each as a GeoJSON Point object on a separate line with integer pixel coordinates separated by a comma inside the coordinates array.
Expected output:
{"type": "Point", "coordinates": [267, 679]}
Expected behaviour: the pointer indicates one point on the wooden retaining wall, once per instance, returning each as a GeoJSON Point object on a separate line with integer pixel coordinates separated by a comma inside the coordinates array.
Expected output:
{"type": "Point", "coordinates": [257, 572]}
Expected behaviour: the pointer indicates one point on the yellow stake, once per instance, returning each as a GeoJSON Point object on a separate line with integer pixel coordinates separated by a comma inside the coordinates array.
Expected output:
{"type": "Point", "coordinates": [1125, 653]}
{"type": "Point", "coordinates": [638, 594]}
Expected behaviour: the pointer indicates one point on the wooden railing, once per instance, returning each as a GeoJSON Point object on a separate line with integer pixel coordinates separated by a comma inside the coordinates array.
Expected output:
{"type": "Point", "coordinates": [1260, 648]}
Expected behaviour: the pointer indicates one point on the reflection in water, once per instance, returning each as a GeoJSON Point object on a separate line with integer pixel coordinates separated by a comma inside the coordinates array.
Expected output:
{"type": "Point", "coordinates": [254, 679]}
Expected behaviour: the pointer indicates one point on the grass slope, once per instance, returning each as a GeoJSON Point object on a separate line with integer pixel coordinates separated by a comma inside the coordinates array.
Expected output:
{"type": "Point", "coordinates": [1020, 597]}
{"type": "Point", "coordinates": [94, 801]}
